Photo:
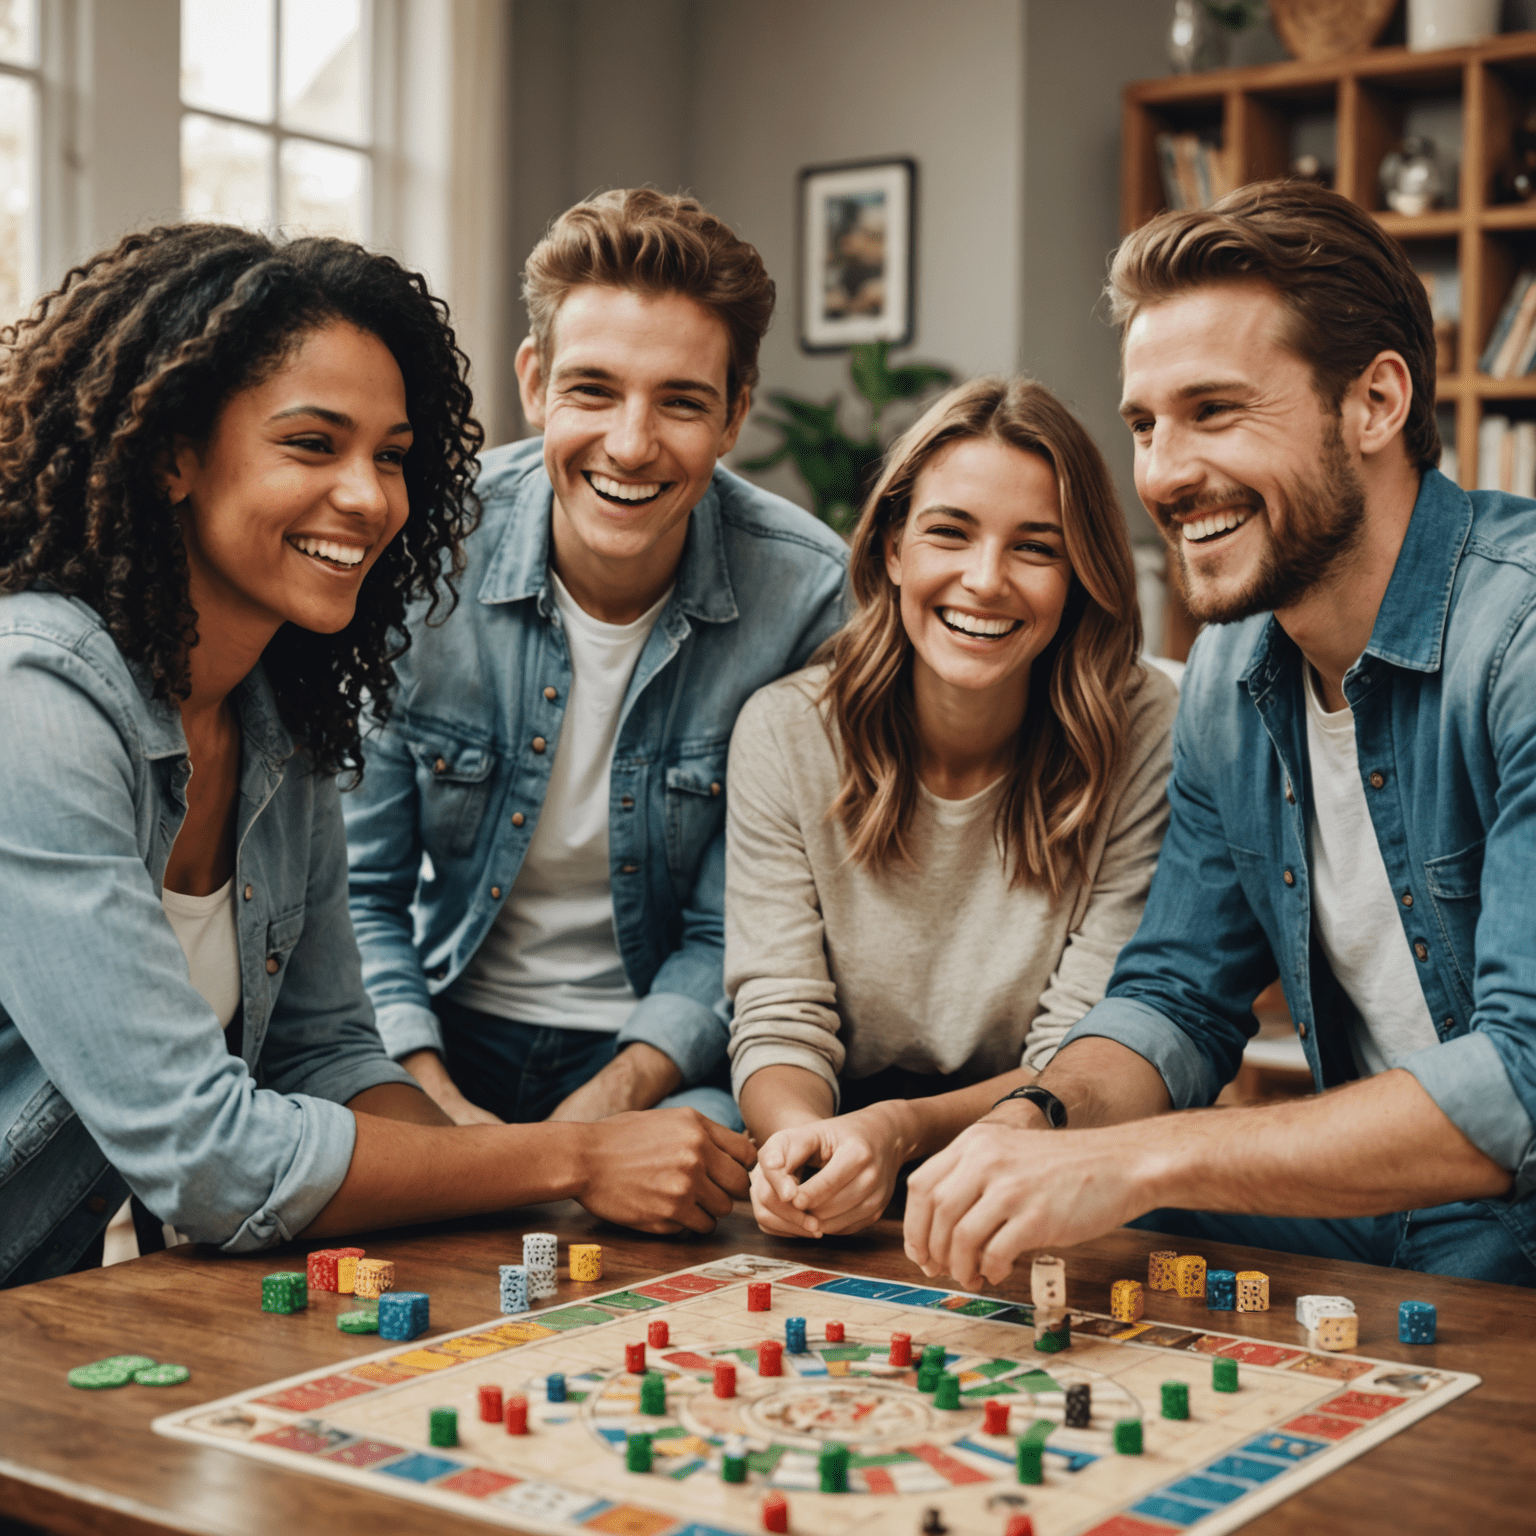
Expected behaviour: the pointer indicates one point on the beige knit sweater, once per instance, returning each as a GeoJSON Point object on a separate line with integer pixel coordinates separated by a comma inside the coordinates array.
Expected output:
{"type": "Point", "coordinates": [939, 966]}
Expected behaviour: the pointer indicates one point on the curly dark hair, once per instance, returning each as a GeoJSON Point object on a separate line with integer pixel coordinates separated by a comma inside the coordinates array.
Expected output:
{"type": "Point", "coordinates": [146, 343]}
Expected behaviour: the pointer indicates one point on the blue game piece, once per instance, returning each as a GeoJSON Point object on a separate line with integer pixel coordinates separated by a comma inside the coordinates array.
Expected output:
{"type": "Point", "coordinates": [554, 1387]}
{"type": "Point", "coordinates": [514, 1287]}
{"type": "Point", "coordinates": [404, 1314]}
{"type": "Point", "coordinates": [794, 1335]}
{"type": "Point", "coordinates": [1220, 1290]}
{"type": "Point", "coordinates": [1416, 1322]}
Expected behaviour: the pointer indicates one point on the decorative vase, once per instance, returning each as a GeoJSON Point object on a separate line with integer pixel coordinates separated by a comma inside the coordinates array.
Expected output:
{"type": "Point", "coordinates": [1447, 23]}
{"type": "Point", "coordinates": [1411, 178]}
{"type": "Point", "coordinates": [1196, 40]}
{"type": "Point", "coordinates": [1325, 29]}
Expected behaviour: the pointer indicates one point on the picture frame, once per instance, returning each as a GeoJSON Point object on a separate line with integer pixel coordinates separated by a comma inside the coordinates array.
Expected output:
{"type": "Point", "coordinates": [857, 253]}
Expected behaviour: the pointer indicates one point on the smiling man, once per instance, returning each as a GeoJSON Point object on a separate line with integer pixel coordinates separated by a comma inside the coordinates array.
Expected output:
{"type": "Point", "coordinates": [1353, 794]}
{"type": "Point", "coordinates": [537, 846]}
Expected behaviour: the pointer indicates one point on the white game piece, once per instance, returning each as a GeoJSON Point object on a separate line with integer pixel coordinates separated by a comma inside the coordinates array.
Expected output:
{"type": "Point", "coordinates": [1048, 1282]}
{"type": "Point", "coordinates": [1308, 1308]}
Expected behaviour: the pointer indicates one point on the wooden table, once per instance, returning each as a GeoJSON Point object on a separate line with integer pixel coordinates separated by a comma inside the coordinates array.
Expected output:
{"type": "Point", "coordinates": [73, 1461]}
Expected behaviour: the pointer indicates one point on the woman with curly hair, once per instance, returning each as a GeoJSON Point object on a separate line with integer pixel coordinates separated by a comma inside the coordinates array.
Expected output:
{"type": "Point", "coordinates": [226, 467]}
{"type": "Point", "coordinates": [941, 833]}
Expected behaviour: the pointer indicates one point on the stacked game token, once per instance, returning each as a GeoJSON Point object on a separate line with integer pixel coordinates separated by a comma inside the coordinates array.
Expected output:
{"type": "Point", "coordinates": [794, 1335]}
{"type": "Point", "coordinates": [286, 1291]}
{"type": "Point", "coordinates": [1416, 1322]}
{"type": "Point", "coordinates": [114, 1371]}
{"type": "Point", "coordinates": [1079, 1406]}
{"type": "Point", "coordinates": [1128, 1437]}
{"type": "Point", "coordinates": [1308, 1307]}
{"type": "Point", "coordinates": [1189, 1275]}
{"type": "Point", "coordinates": [1175, 1399]}
{"type": "Point", "coordinates": [657, 1334]}
{"type": "Point", "coordinates": [492, 1410]}
{"type": "Point", "coordinates": [1334, 1329]}
{"type": "Point", "coordinates": [1160, 1273]}
{"type": "Point", "coordinates": [514, 1287]}
{"type": "Point", "coordinates": [947, 1393]}
{"type": "Point", "coordinates": [372, 1277]}
{"type": "Point", "coordinates": [1127, 1301]}
{"type": "Point", "coordinates": [443, 1426]}
{"type": "Point", "coordinates": [541, 1252]}
{"type": "Point", "coordinates": [586, 1261]}
{"type": "Point", "coordinates": [832, 1467]}
{"type": "Point", "coordinates": [1220, 1290]}
{"type": "Point", "coordinates": [733, 1460]}
{"type": "Point", "coordinates": [1223, 1375]}
{"type": "Point", "coordinates": [404, 1314]}
{"type": "Point", "coordinates": [517, 1415]}
{"type": "Point", "coordinates": [364, 1320]}
{"type": "Point", "coordinates": [323, 1267]}
{"type": "Point", "coordinates": [1252, 1290]}
{"type": "Point", "coordinates": [1048, 1292]}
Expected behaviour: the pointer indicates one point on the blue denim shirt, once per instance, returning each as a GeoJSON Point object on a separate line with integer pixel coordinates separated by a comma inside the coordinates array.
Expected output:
{"type": "Point", "coordinates": [1444, 700]}
{"type": "Point", "coordinates": [760, 586]}
{"type": "Point", "coordinates": [114, 1073]}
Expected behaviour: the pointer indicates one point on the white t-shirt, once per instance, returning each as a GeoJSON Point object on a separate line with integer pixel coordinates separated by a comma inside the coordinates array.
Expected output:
{"type": "Point", "coordinates": [1354, 911]}
{"type": "Point", "coordinates": [551, 956]}
{"type": "Point", "coordinates": [205, 928]}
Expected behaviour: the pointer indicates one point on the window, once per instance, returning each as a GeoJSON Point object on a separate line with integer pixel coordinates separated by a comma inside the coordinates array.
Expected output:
{"type": "Point", "coordinates": [276, 126]}
{"type": "Point", "coordinates": [19, 114]}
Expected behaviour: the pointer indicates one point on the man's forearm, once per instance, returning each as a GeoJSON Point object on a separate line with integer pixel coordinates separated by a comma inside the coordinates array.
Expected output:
{"type": "Point", "coordinates": [1101, 1083]}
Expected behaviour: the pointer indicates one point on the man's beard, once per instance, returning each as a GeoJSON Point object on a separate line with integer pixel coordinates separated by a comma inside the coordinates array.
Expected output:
{"type": "Point", "coordinates": [1325, 517]}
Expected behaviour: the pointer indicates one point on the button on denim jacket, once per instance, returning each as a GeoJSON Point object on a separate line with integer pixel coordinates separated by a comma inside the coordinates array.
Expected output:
{"type": "Point", "coordinates": [760, 586]}
{"type": "Point", "coordinates": [114, 1073]}
{"type": "Point", "coordinates": [1444, 700]}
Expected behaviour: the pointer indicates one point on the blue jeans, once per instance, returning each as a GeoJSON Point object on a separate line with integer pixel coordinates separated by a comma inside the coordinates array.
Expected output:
{"type": "Point", "coordinates": [521, 1072]}
{"type": "Point", "coordinates": [1464, 1238]}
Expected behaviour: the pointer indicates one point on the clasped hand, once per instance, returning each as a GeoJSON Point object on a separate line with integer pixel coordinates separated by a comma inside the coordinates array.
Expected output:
{"type": "Point", "coordinates": [857, 1157]}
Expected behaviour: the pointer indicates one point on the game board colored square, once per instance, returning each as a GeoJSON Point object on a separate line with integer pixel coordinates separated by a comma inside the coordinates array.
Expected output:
{"type": "Point", "coordinates": [295, 1437]}
{"type": "Point", "coordinates": [517, 1333]}
{"type": "Point", "coordinates": [421, 1468]}
{"type": "Point", "coordinates": [696, 1285]}
{"type": "Point", "coordinates": [660, 1292]}
{"type": "Point", "coordinates": [365, 1453]}
{"type": "Point", "coordinates": [384, 1375]}
{"type": "Point", "coordinates": [948, 1467]}
{"type": "Point", "coordinates": [979, 1308]}
{"type": "Point", "coordinates": [1210, 1490]}
{"type": "Point", "coordinates": [1282, 1446]}
{"type": "Point", "coordinates": [878, 1480]}
{"type": "Point", "coordinates": [1126, 1525]}
{"type": "Point", "coordinates": [1249, 1468]}
{"type": "Point", "coordinates": [630, 1302]}
{"type": "Point", "coordinates": [703, 1530]}
{"type": "Point", "coordinates": [1175, 1511]}
{"type": "Point", "coordinates": [309, 1395]}
{"type": "Point", "coordinates": [423, 1360]}
{"type": "Point", "coordinates": [919, 1296]}
{"type": "Point", "coordinates": [1168, 1338]}
{"type": "Point", "coordinates": [1362, 1405]}
{"type": "Point", "coordinates": [1255, 1352]}
{"type": "Point", "coordinates": [1021, 1316]}
{"type": "Point", "coordinates": [574, 1317]}
{"type": "Point", "coordinates": [870, 1290]}
{"type": "Point", "coordinates": [1334, 1367]}
{"type": "Point", "coordinates": [473, 1346]}
{"type": "Point", "coordinates": [808, 1278]}
{"type": "Point", "coordinates": [1321, 1424]}
{"type": "Point", "coordinates": [477, 1482]}
{"type": "Point", "coordinates": [1208, 1343]}
{"type": "Point", "coordinates": [630, 1520]}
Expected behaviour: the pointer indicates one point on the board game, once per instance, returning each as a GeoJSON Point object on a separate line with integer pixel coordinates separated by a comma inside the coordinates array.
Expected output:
{"type": "Point", "coordinates": [912, 1466]}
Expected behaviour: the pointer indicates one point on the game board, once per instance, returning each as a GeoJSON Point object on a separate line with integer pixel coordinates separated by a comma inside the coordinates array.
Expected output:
{"type": "Point", "coordinates": [1296, 1417]}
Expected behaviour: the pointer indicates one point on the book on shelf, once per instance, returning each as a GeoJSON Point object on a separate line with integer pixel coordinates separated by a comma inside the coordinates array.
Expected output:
{"type": "Point", "coordinates": [1506, 456]}
{"type": "Point", "coordinates": [1511, 348]}
{"type": "Point", "coordinates": [1194, 171]}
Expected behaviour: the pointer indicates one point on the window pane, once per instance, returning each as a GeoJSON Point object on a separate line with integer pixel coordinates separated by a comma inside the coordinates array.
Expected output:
{"type": "Point", "coordinates": [17, 198]}
{"type": "Point", "coordinates": [226, 172]}
{"type": "Point", "coordinates": [322, 80]}
{"type": "Point", "coordinates": [322, 189]}
{"type": "Point", "coordinates": [226, 56]}
{"type": "Point", "coordinates": [18, 31]}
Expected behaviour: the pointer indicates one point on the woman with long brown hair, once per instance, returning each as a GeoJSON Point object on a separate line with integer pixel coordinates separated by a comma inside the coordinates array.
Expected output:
{"type": "Point", "coordinates": [941, 832]}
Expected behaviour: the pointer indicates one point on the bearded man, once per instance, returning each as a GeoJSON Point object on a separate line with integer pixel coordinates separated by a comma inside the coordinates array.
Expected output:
{"type": "Point", "coordinates": [1353, 794]}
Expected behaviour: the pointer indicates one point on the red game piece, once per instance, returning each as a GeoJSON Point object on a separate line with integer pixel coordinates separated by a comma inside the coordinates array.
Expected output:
{"type": "Point", "coordinates": [517, 1415]}
{"type": "Point", "coordinates": [725, 1379]}
{"type": "Point", "coordinates": [658, 1335]}
{"type": "Point", "coordinates": [759, 1296]}
{"type": "Point", "coordinates": [770, 1358]}
{"type": "Point", "coordinates": [776, 1512]}
{"type": "Point", "coordinates": [834, 1333]}
{"type": "Point", "coordinates": [997, 1417]}
{"type": "Point", "coordinates": [320, 1267]}
{"type": "Point", "coordinates": [634, 1358]}
{"type": "Point", "coordinates": [1020, 1525]}
{"type": "Point", "coordinates": [901, 1349]}
{"type": "Point", "coordinates": [490, 1405]}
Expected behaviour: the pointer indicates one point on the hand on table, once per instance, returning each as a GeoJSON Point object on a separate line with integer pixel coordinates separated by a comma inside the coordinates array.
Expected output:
{"type": "Point", "coordinates": [859, 1156]}
{"type": "Point", "coordinates": [663, 1170]}
{"type": "Point", "coordinates": [428, 1070]}
{"type": "Point", "coordinates": [638, 1077]}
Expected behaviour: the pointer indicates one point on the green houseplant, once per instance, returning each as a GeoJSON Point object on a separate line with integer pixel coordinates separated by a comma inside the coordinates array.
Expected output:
{"type": "Point", "coordinates": [839, 469]}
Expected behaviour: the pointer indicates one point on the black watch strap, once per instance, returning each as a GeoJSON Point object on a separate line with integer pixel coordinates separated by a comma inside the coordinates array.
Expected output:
{"type": "Point", "coordinates": [1044, 1100]}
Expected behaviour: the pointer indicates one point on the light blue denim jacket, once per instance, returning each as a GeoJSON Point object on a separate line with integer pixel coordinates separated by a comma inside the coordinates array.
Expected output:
{"type": "Point", "coordinates": [114, 1073]}
{"type": "Point", "coordinates": [1444, 700]}
{"type": "Point", "coordinates": [760, 586]}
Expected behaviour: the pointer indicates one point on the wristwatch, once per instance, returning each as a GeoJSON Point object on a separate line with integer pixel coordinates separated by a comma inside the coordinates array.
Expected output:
{"type": "Point", "coordinates": [1044, 1100]}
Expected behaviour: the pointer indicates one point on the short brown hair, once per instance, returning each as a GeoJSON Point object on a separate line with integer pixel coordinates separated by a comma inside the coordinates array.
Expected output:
{"type": "Point", "coordinates": [1349, 287]}
{"type": "Point", "coordinates": [1076, 723]}
{"type": "Point", "coordinates": [653, 243]}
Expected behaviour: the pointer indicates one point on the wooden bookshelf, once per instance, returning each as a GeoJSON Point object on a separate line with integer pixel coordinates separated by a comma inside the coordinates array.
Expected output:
{"type": "Point", "coordinates": [1368, 96]}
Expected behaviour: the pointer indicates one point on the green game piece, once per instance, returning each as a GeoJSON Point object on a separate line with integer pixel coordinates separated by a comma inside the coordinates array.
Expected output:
{"type": "Point", "coordinates": [733, 1469]}
{"type": "Point", "coordinates": [358, 1322]}
{"type": "Point", "coordinates": [100, 1374]}
{"type": "Point", "coordinates": [287, 1292]}
{"type": "Point", "coordinates": [1223, 1375]}
{"type": "Point", "coordinates": [637, 1453]}
{"type": "Point", "coordinates": [1128, 1437]}
{"type": "Point", "coordinates": [132, 1362]}
{"type": "Point", "coordinates": [1031, 1462]}
{"type": "Point", "coordinates": [927, 1380]}
{"type": "Point", "coordinates": [1039, 1432]}
{"type": "Point", "coordinates": [1053, 1343]}
{"type": "Point", "coordinates": [653, 1393]}
{"type": "Point", "coordinates": [933, 1358]}
{"type": "Point", "coordinates": [832, 1466]}
{"type": "Point", "coordinates": [443, 1426]}
{"type": "Point", "coordinates": [1175, 1400]}
{"type": "Point", "coordinates": [948, 1394]}
{"type": "Point", "coordinates": [161, 1375]}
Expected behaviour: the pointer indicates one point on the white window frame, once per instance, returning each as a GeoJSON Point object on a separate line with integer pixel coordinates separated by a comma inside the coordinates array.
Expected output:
{"type": "Point", "coordinates": [35, 75]}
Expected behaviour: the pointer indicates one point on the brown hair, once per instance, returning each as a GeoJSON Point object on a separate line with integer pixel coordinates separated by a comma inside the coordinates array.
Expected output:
{"type": "Point", "coordinates": [1074, 729]}
{"type": "Point", "coordinates": [653, 243]}
{"type": "Point", "coordinates": [1349, 287]}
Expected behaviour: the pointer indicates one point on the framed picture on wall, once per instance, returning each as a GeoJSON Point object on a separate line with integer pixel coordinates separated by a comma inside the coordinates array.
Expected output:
{"type": "Point", "coordinates": [857, 250]}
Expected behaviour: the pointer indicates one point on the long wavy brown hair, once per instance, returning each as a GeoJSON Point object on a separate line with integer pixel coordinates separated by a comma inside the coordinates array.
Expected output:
{"type": "Point", "coordinates": [1075, 727]}
{"type": "Point", "coordinates": [144, 344]}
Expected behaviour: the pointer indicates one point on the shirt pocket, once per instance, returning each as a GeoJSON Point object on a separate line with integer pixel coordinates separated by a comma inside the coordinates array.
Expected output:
{"type": "Point", "coordinates": [282, 935]}
{"type": "Point", "coordinates": [45, 1113]}
{"type": "Point", "coordinates": [695, 811]}
{"type": "Point", "coordinates": [455, 787]}
{"type": "Point", "coordinates": [1455, 883]}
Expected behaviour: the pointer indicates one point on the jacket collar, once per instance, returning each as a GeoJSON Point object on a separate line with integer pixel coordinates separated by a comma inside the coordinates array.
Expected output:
{"type": "Point", "coordinates": [518, 567]}
{"type": "Point", "coordinates": [261, 724]}
{"type": "Point", "coordinates": [1410, 625]}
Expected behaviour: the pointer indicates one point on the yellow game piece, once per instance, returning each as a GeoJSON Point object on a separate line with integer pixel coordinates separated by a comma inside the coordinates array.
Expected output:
{"type": "Point", "coordinates": [1160, 1275]}
{"type": "Point", "coordinates": [586, 1261]}
{"type": "Point", "coordinates": [1189, 1275]}
{"type": "Point", "coordinates": [1252, 1290]}
{"type": "Point", "coordinates": [346, 1274]}
{"type": "Point", "coordinates": [373, 1277]}
{"type": "Point", "coordinates": [1335, 1330]}
{"type": "Point", "coordinates": [1126, 1301]}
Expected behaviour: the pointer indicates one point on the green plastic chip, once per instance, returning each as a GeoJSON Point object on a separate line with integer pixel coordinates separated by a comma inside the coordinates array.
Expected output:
{"type": "Point", "coordinates": [358, 1322]}
{"type": "Point", "coordinates": [161, 1375]}
{"type": "Point", "coordinates": [102, 1373]}
{"type": "Point", "coordinates": [128, 1362]}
